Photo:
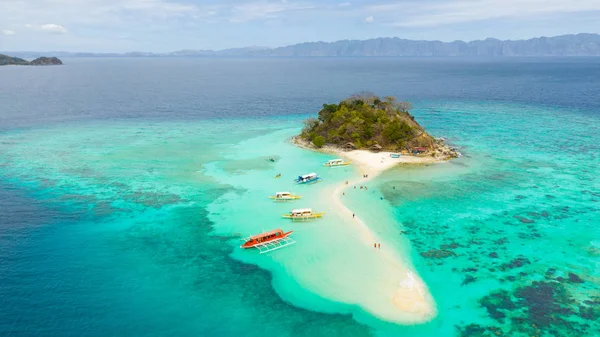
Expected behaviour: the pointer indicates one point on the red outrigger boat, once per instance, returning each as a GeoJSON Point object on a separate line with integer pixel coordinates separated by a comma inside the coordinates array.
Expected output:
{"type": "Point", "coordinates": [268, 241]}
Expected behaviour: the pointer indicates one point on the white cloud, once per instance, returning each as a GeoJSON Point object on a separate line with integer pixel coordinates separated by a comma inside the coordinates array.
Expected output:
{"type": "Point", "coordinates": [445, 13]}
{"type": "Point", "coordinates": [170, 24]}
{"type": "Point", "coordinates": [8, 32]}
{"type": "Point", "coordinates": [264, 10]}
{"type": "Point", "coordinates": [54, 28]}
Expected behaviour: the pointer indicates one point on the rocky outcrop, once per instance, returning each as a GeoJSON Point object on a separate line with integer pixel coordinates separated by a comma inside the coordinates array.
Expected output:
{"type": "Point", "coordinates": [6, 60]}
{"type": "Point", "coordinates": [46, 61]}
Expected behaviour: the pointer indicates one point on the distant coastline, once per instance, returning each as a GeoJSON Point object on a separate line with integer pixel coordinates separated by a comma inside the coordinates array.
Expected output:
{"type": "Point", "coordinates": [583, 44]}
{"type": "Point", "coordinates": [6, 60]}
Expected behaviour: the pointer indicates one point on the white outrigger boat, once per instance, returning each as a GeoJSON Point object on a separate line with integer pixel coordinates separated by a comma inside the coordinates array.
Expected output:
{"type": "Point", "coordinates": [303, 214]}
{"type": "Point", "coordinates": [307, 178]}
{"type": "Point", "coordinates": [284, 196]}
{"type": "Point", "coordinates": [336, 162]}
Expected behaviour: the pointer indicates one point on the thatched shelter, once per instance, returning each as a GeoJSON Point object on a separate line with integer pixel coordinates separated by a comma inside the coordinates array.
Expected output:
{"type": "Point", "coordinates": [376, 148]}
{"type": "Point", "coordinates": [350, 146]}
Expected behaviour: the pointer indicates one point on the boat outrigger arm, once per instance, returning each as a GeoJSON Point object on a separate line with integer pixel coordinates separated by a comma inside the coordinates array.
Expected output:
{"type": "Point", "coordinates": [272, 245]}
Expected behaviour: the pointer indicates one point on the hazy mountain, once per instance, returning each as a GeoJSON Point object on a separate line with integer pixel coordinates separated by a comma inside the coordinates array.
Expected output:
{"type": "Point", "coordinates": [565, 45]}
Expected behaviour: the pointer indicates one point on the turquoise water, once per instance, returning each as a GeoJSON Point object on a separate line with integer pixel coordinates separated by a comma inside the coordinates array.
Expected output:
{"type": "Point", "coordinates": [132, 226]}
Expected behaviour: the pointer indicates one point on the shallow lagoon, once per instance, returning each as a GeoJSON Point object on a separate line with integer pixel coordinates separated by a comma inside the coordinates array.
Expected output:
{"type": "Point", "coordinates": [495, 220]}
{"type": "Point", "coordinates": [115, 225]}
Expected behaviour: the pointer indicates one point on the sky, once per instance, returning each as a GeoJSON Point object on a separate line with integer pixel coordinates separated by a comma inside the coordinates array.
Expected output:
{"type": "Point", "coordinates": [169, 25]}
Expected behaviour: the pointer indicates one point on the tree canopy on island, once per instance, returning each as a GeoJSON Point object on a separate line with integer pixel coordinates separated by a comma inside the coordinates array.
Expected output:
{"type": "Point", "coordinates": [366, 120]}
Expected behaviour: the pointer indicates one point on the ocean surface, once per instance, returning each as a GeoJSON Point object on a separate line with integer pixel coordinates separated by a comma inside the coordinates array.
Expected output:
{"type": "Point", "coordinates": [126, 184]}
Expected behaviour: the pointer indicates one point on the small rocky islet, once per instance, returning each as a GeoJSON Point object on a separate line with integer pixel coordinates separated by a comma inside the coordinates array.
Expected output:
{"type": "Point", "coordinates": [6, 60]}
{"type": "Point", "coordinates": [365, 121]}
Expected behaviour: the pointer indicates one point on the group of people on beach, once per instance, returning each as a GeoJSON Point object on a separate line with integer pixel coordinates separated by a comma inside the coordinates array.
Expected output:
{"type": "Point", "coordinates": [377, 245]}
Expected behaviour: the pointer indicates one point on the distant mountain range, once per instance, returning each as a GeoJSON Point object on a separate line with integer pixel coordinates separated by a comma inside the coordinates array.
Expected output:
{"type": "Point", "coordinates": [565, 45]}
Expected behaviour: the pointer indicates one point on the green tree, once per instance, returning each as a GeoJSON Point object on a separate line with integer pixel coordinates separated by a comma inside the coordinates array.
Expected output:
{"type": "Point", "coordinates": [397, 131]}
{"type": "Point", "coordinates": [365, 119]}
{"type": "Point", "coordinates": [327, 111]}
{"type": "Point", "coordinates": [319, 141]}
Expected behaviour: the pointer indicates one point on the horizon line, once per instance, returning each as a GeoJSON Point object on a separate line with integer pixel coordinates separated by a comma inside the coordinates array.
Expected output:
{"type": "Point", "coordinates": [259, 48]}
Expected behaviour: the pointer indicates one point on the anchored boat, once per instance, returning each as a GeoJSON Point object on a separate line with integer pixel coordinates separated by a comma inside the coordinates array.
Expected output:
{"type": "Point", "coordinates": [284, 196]}
{"type": "Point", "coordinates": [336, 162]}
{"type": "Point", "coordinates": [307, 178]}
{"type": "Point", "coordinates": [303, 214]}
{"type": "Point", "coordinates": [268, 241]}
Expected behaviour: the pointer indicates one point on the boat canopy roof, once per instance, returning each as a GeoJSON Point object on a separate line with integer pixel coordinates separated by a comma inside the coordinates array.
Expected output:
{"type": "Point", "coordinates": [302, 210]}
{"type": "Point", "coordinates": [275, 231]}
{"type": "Point", "coordinates": [283, 193]}
{"type": "Point", "coordinates": [335, 160]}
{"type": "Point", "coordinates": [312, 174]}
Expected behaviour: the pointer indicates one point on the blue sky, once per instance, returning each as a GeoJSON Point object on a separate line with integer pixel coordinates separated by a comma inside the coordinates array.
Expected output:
{"type": "Point", "coordinates": [168, 25]}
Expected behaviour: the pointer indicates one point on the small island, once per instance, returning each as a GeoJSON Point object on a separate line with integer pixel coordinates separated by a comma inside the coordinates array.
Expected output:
{"type": "Point", "coordinates": [373, 135]}
{"type": "Point", "coordinates": [6, 60]}
{"type": "Point", "coordinates": [385, 127]}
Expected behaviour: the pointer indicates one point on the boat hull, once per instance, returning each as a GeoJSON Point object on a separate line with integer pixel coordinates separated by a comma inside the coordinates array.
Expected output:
{"type": "Point", "coordinates": [313, 181]}
{"type": "Point", "coordinates": [303, 218]}
{"type": "Point", "coordinates": [255, 243]}
{"type": "Point", "coordinates": [292, 198]}
{"type": "Point", "coordinates": [335, 165]}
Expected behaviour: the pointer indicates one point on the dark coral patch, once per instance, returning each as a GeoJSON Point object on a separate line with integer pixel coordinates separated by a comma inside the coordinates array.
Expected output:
{"type": "Point", "coordinates": [497, 304]}
{"type": "Point", "coordinates": [574, 278]}
{"type": "Point", "coordinates": [515, 263]}
{"type": "Point", "coordinates": [545, 303]}
{"type": "Point", "coordinates": [468, 279]}
{"type": "Point", "coordinates": [523, 219]}
{"type": "Point", "coordinates": [438, 254]}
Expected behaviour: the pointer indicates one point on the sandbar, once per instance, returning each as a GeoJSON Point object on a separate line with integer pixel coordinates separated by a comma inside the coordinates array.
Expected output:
{"type": "Point", "coordinates": [400, 296]}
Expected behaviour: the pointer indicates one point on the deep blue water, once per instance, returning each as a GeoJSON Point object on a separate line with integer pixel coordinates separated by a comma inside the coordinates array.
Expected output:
{"type": "Point", "coordinates": [223, 88]}
{"type": "Point", "coordinates": [69, 266]}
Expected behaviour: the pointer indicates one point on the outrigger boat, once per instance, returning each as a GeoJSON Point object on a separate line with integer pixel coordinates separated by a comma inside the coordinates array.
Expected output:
{"type": "Point", "coordinates": [307, 178]}
{"type": "Point", "coordinates": [284, 196]}
{"type": "Point", "coordinates": [268, 241]}
{"type": "Point", "coordinates": [336, 162]}
{"type": "Point", "coordinates": [303, 214]}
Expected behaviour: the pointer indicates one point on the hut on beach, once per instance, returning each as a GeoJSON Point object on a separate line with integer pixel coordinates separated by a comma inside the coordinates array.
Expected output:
{"type": "Point", "coordinates": [349, 146]}
{"type": "Point", "coordinates": [376, 148]}
{"type": "Point", "coordinates": [419, 150]}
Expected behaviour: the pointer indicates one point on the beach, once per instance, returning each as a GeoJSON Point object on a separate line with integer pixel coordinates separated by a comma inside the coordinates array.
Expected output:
{"type": "Point", "coordinates": [374, 163]}
{"type": "Point", "coordinates": [401, 296]}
